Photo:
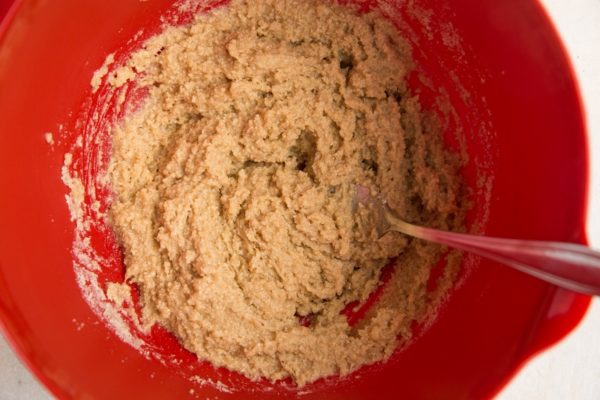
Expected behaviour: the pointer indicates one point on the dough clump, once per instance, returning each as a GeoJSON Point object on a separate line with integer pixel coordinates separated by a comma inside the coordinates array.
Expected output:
{"type": "Point", "coordinates": [233, 186]}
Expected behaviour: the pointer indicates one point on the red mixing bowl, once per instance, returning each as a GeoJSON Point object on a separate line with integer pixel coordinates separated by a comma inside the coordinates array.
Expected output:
{"type": "Point", "coordinates": [516, 105]}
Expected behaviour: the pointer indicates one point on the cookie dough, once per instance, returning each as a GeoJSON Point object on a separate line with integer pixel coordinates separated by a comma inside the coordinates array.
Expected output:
{"type": "Point", "coordinates": [233, 186]}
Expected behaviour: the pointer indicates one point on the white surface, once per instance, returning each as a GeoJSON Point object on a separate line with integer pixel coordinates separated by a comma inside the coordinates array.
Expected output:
{"type": "Point", "coordinates": [570, 370]}
{"type": "Point", "coordinates": [16, 383]}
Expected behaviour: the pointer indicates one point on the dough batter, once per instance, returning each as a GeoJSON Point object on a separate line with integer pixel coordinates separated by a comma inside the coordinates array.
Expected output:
{"type": "Point", "coordinates": [233, 187]}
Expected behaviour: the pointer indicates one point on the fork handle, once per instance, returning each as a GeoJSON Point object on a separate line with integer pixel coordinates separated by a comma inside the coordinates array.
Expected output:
{"type": "Point", "coordinates": [571, 266]}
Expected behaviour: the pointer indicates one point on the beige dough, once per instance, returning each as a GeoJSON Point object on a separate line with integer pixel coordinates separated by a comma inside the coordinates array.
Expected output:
{"type": "Point", "coordinates": [233, 187]}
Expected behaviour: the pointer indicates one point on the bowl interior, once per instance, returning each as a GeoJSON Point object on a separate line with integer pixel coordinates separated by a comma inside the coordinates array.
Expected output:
{"type": "Point", "coordinates": [518, 115]}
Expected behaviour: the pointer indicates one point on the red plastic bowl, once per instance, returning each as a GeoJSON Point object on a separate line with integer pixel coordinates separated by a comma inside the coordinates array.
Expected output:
{"type": "Point", "coordinates": [501, 65]}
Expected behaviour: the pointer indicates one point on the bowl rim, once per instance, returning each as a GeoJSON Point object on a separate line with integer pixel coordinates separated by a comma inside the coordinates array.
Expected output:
{"type": "Point", "coordinates": [537, 349]}
{"type": "Point", "coordinates": [9, 335]}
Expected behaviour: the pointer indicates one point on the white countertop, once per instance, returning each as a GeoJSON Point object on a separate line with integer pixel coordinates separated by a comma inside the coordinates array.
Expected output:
{"type": "Point", "coordinates": [570, 370]}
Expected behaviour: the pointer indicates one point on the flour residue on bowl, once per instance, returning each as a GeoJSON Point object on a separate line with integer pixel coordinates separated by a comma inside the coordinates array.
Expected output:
{"type": "Point", "coordinates": [106, 303]}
